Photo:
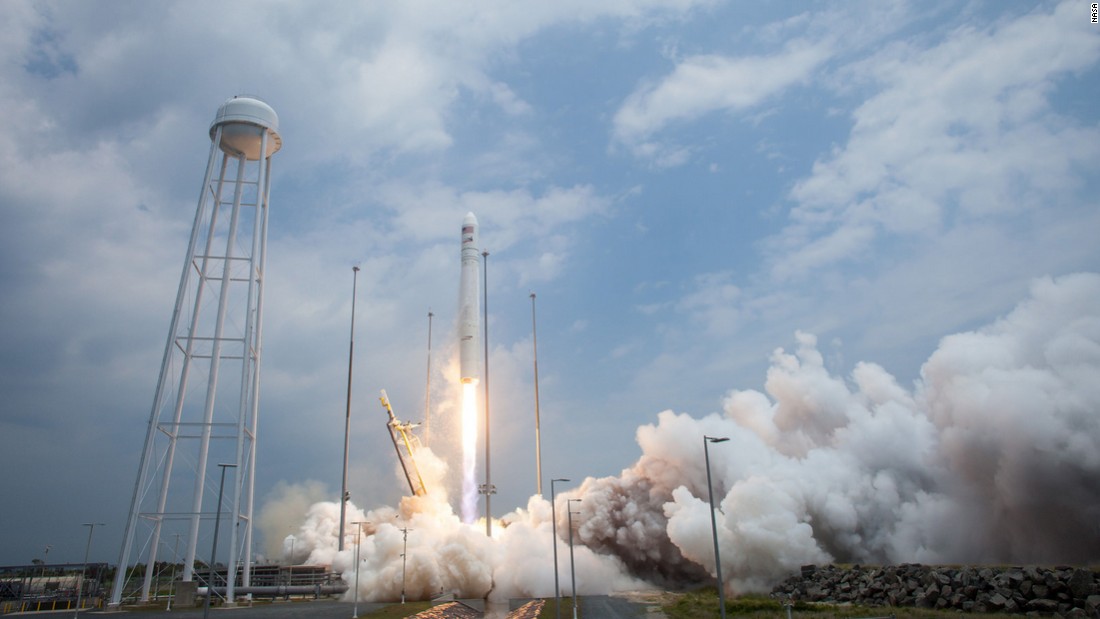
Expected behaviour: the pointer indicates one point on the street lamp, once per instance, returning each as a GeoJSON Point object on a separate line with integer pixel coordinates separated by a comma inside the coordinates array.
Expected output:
{"type": "Point", "coordinates": [80, 592]}
{"type": "Point", "coordinates": [488, 488]}
{"type": "Point", "coordinates": [538, 437]}
{"type": "Point", "coordinates": [45, 560]}
{"type": "Point", "coordinates": [347, 416]}
{"type": "Point", "coordinates": [554, 522]}
{"type": "Point", "coordinates": [175, 558]}
{"type": "Point", "coordinates": [714, 524]}
{"type": "Point", "coordinates": [428, 386]}
{"type": "Point", "coordinates": [214, 547]}
{"type": "Point", "coordinates": [572, 565]}
{"type": "Point", "coordinates": [404, 560]}
{"type": "Point", "coordinates": [358, 538]}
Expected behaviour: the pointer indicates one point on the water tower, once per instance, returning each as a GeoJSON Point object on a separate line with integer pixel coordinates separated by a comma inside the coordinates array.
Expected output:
{"type": "Point", "coordinates": [206, 402]}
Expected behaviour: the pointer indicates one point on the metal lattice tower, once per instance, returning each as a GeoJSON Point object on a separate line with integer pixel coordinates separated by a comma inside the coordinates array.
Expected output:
{"type": "Point", "coordinates": [206, 402]}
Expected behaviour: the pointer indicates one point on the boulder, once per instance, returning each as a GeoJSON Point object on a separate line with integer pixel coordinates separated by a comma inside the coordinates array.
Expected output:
{"type": "Point", "coordinates": [1042, 606]}
{"type": "Point", "coordinates": [1081, 584]}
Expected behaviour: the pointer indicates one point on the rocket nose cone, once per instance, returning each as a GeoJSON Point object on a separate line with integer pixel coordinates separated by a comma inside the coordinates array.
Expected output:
{"type": "Point", "coordinates": [469, 219]}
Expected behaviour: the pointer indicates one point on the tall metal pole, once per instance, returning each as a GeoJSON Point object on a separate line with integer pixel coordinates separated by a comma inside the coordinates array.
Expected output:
{"type": "Point", "coordinates": [572, 564]}
{"type": "Point", "coordinates": [175, 558]}
{"type": "Point", "coordinates": [489, 489]}
{"type": "Point", "coordinates": [45, 558]}
{"type": "Point", "coordinates": [554, 520]}
{"type": "Point", "coordinates": [358, 543]}
{"type": "Point", "coordinates": [538, 438]}
{"type": "Point", "coordinates": [347, 417]}
{"type": "Point", "coordinates": [428, 387]}
{"type": "Point", "coordinates": [404, 560]}
{"type": "Point", "coordinates": [80, 591]}
{"type": "Point", "coordinates": [214, 546]}
{"type": "Point", "coordinates": [714, 524]}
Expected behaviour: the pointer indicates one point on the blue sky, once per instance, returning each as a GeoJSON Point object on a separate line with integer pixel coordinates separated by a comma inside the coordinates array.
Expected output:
{"type": "Point", "coordinates": [684, 184]}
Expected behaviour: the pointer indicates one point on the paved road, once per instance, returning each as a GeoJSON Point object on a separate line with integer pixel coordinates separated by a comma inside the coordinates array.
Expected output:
{"type": "Point", "coordinates": [591, 607]}
{"type": "Point", "coordinates": [319, 609]}
{"type": "Point", "coordinates": [608, 607]}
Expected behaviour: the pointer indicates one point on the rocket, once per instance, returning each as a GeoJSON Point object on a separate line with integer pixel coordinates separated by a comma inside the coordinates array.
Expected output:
{"type": "Point", "coordinates": [468, 305]}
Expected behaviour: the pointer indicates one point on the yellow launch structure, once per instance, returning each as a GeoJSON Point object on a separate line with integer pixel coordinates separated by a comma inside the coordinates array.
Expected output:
{"type": "Point", "coordinates": [411, 443]}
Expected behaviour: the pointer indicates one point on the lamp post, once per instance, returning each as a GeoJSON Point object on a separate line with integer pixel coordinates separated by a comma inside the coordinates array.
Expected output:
{"type": "Point", "coordinates": [347, 416]}
{"type": "Point", "coordinates": [714, 524]}
{"type": "Point", "coordinates": [538, 437]}
{"type": "Point", "coordinates": [45, 560]}
{"type": "Point", "coordinates": [554, 519]}
{"type": "Point", "coordinates": [404, 560]}
{"type": "Point", "coordinates": [80, 591]}
{"type": "Point", "coordinates": [175, 557]}
{"type": "Point", "coordinates": [214, 546]}
{"type": "Point", "coordinates": [488, 487]}
{"type": "Point", "coordinates": [358, 539]}
{"type": "Point", "coordinates": [572, 565]}
{"type": "Point", "coordinates": [428, 387]}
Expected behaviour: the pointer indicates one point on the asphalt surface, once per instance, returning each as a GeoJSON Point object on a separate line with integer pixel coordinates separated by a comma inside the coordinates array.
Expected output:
{"type": "Point", "coordinates": [320, 609]}
{"type": "Point", "coordinates": [591, 607]}
{"type": "Point", "coordinates": [608, 607]}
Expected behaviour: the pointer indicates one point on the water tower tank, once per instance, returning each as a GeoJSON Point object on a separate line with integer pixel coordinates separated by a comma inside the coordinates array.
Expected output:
{"type": "Point", "coordinates": [243, 120]}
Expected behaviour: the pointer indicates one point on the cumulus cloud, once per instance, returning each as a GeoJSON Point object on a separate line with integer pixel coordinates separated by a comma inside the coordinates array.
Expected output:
{"type": "Point", "coordinates": [704, 84]}
{"type": "Point", "coordinates": [949, 139]}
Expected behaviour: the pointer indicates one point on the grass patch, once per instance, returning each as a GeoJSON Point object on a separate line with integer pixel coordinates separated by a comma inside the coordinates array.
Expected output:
{"type": "Point", "coordinates": [550, 609]}
{"type": "Point", "coordinates": [703, 603]}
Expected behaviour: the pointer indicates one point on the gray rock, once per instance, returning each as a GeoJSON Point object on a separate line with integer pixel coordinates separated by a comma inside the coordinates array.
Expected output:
{"type": "Point", "coordinates": [1092, 604]}
{"type": "Point", "coordinates": [1039, 591]}
{"type": "Point", "coordinates": [1081, 584]}
{"type": "Point", "coordinates": [929, 597]}
{"type": "Point", "coordinates": [1042, 606]}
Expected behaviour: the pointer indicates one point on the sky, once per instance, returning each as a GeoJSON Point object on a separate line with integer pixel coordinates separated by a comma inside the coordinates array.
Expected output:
{"type": "Point", "coordinates": [686, 185]}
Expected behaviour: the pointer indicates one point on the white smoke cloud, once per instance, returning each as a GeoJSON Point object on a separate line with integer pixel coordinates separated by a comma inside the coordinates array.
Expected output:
{"type": "Point", "coordinates": [993, 455]}
{"type": "Point", "coordinates": [282, 513]}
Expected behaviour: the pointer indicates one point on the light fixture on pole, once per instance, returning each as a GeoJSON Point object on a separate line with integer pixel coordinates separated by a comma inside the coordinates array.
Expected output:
{"type": "Point", "coordinates": [572, 565]}
{"type": "Point", "coordinates": [214, 546]}
{"type": "Point", "coordinates": [714, 524]}
{"type": "Point", "coordinates": [538, 437]}
{"type": "Point", "coordinates": [80, 590]}
{"type": "Point", "coordinates": [554, 520]}
{"type": "Point", "coordinates": [404, 560]}
{"type": "Point", "coordinates": [487, 488]}
{"type": "Point", "coordinates": [45, 559]}
{"type": "Point", "coordinates": [347, 417]}
{"type": "Point", "coordinates": [175, 559]}
{"type": "Point", "coordinates": [428, 386]}
{"type": "Point", "coordinates": [358, 539]}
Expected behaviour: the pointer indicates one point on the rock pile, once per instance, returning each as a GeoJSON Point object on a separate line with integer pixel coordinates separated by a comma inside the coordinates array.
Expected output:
{"type": "Point", "coordinates": [1041, 591]}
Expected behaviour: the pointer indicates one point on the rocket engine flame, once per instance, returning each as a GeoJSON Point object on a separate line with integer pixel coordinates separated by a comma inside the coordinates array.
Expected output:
{"type": "Point", "coordinates": [469, 451]}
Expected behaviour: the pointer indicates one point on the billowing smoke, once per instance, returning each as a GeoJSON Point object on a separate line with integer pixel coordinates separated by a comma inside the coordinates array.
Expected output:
{"type": "Point", "coordinates": [446, 555]}
{"type": "Point", "coordinates": [992, 456]}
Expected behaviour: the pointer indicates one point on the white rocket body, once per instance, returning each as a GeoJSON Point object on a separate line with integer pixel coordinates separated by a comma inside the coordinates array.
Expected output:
{"type": "Point", "coordinates": [468, 304]}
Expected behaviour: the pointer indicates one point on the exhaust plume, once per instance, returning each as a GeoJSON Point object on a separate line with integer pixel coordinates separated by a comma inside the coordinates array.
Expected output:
{"type": "Point", "coordinates": [993, 455]}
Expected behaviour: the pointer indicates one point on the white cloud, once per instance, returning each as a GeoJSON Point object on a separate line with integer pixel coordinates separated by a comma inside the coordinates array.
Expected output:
{"type": "Point", "coordinates": [704, 84]}
{"type": "Point", "coordinates": [713, 304]}
{"type": "Point", "coordinates": [962, 129]}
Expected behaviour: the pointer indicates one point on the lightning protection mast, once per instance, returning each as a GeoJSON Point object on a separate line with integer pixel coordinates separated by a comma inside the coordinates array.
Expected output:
{"type": "Point", "coordinates": [206, 401]}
